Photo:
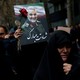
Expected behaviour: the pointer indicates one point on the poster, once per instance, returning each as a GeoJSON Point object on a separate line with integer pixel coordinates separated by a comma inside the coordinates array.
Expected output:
{"type": "Point", "coordinates": [33, 22]}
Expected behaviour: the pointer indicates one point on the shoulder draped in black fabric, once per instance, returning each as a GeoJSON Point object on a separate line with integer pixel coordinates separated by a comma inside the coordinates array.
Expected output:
{"type": "Point", "coordinates": [51, 65]}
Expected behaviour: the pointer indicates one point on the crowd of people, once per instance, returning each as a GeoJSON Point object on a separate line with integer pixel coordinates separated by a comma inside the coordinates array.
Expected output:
{"type": "Point", "coordinates": [57, 58]}
{"type": "Point", "coordinates": [16, 62]}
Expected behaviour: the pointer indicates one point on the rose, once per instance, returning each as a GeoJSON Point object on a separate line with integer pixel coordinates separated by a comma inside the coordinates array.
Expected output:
{"type": "Point", "coordinates": [23, 12]}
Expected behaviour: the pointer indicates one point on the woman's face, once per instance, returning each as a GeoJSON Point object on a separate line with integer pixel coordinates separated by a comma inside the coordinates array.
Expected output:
{"type": "Point", "coordinates": [2, 32]}
{"type": "Point", "coordinates": [64, 52]}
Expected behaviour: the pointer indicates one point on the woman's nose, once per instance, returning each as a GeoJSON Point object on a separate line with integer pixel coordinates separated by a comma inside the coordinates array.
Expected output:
{"type": "Point", "coordinates": [65, 49]}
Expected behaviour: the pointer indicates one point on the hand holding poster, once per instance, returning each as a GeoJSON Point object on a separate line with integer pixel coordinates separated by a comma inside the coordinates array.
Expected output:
{"type": "Point", "coordinates": [33, 23]}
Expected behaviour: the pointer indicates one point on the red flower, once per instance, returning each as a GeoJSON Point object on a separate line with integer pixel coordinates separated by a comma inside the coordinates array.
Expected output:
{"type": "Point", "coordinates": [24, 12]}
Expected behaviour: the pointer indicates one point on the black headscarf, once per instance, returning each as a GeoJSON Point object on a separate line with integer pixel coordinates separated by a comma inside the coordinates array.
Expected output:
{"type": "Point", "coordinates": [51, 65]}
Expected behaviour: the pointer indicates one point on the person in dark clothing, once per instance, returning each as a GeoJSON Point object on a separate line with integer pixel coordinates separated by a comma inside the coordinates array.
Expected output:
{"type": "Point", "coordinates": [6, 72]}
{"type": "Point", "coordinates": [59, 60]}
{"type": "Point", "coordinates": [9, 59]}
{"type": "Point", "coordinates": [75, 33]}
{"type": "Point", "coordinates": [8, 55]}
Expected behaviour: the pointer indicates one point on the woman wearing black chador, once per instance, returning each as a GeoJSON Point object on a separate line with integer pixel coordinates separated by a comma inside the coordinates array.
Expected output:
{"type": "Point", "coordinates": [60, 60]}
